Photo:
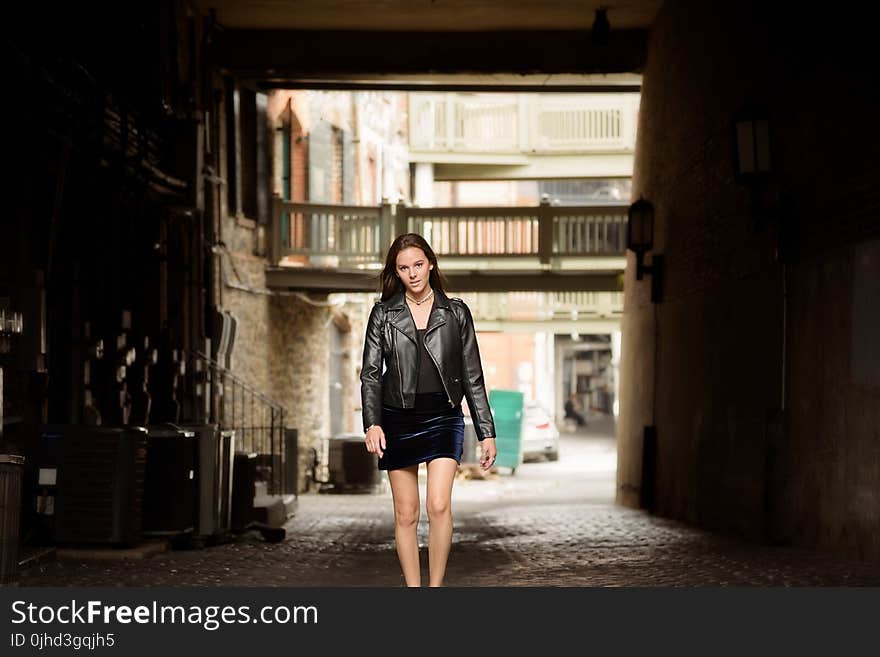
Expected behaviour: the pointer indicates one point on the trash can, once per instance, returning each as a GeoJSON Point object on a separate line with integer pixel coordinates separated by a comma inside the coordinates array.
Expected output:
{"type": "Point", "coordinates": [11, 467]}
{"type": "Point", "coordinates": [507, 409]}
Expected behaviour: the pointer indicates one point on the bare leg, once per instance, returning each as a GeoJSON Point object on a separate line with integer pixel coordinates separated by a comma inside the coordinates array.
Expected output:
{"type": "Point", "coordinates": [441, 474]}
{"type": "Point", "coordinates": [405, 491]}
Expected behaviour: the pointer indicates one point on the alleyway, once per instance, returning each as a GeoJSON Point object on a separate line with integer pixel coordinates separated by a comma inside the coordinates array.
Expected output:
{"type": "Point", "coordinates": [550, 524]}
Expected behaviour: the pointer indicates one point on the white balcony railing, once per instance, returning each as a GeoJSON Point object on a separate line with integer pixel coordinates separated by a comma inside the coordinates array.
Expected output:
{"type": "Point", "coordinates": [545, 306]}
{"type": "Point", "coordinates": [522, 123]}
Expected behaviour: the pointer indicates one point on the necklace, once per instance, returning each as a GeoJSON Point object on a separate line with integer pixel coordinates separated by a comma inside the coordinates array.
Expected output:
{"type": "Point", "coordinates": [419, 302]}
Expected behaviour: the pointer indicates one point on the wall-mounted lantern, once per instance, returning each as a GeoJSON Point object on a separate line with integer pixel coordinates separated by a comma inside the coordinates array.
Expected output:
{"type": "Point", "coordinates": [11, 327]}
{"type": "Point", "coordinates": [752, 140]}
{"type": "Point", "coordinates": [753, 162]}
{"type": "Point", "coordinates": [640, 240]}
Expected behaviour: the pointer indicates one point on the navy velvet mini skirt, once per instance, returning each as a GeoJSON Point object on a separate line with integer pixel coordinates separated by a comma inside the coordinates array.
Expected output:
{"type": "Point", "coordinates": [416, 435]}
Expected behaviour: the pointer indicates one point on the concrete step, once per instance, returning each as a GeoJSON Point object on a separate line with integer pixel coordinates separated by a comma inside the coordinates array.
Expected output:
{"type": "Point", "coordinates": [274, 510]}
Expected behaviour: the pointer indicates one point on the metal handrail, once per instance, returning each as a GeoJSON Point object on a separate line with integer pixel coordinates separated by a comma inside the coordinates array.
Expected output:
{"type": "Point", "coordinates": [258, 420]}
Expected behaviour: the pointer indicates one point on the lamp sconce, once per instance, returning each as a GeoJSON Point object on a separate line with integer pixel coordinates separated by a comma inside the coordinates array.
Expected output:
{"type": "Point", "coordinates": [753, 161]}
{"type": "Point", "coordinates": [751, 128]}
{"type": "Point", "coordinates": [640, 240]}
{"type": "Point", "coordinates": [11, 327]}
{"type": "Point", "coordinates": [601, 27]}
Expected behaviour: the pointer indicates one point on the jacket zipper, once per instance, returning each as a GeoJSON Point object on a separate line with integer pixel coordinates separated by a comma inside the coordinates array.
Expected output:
{"type": "Point", "coordinates": [439, 371]}
{"type": "Point", "coordinates": [419, 345]}
{"type": "Point", "coordinates": [399, 373]}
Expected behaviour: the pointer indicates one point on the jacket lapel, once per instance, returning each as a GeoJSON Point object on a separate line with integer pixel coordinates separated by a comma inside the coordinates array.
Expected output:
{"type": "Point", "coordinates": [402, 318]}
{"type": "Point", "coordinates": [441, 303]}
{"type": "Point", "coordinates": [437, 318]}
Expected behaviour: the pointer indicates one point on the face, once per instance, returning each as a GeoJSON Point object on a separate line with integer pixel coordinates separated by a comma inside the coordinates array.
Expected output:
{"type": "Point", "coordinates": [414, 269]}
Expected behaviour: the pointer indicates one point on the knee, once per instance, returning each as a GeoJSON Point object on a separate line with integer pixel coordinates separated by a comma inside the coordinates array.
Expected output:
{"type": "Point", "coordinates": [406, 515]}
{"type": "Point", "coordinates": [438, 507]}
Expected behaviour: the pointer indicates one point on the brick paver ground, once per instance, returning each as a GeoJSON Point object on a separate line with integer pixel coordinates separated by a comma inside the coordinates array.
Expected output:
{"type": "Point", "coordinates": [549, 524]}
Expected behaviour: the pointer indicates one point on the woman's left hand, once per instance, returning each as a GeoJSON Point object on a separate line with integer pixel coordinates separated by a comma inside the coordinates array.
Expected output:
{"type": "Point", "coordinates": [487, 460]}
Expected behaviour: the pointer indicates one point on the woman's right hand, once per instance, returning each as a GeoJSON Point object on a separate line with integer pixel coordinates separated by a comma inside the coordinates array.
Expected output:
{"type": "Point", "coordinates": [375, 440]}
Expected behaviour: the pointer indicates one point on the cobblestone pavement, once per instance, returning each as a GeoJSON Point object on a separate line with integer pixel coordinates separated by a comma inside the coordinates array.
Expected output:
{"type": "Point", "coordinates": [549, 524]}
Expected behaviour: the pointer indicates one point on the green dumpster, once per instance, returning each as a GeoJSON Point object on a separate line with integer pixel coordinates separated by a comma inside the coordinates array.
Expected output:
{"type": "Point", "coordinates": [507, 410]}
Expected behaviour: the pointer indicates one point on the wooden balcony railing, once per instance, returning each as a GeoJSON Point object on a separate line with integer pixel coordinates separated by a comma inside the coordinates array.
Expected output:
{"type": "Point", "coordinates": [339, 235]}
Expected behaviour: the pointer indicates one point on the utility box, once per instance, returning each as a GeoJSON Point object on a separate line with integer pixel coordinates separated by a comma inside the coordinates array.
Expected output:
{"type": "Point", "coordinates": [170, 484]}
{"type": "Point", "coordinates": [216, 452]}
{"type": "Point", "coordinates": [351, 467]}
{"type": "Point", "coordinates": [11, 466]}
{"type": "Point", "coordinates": [244, 489]}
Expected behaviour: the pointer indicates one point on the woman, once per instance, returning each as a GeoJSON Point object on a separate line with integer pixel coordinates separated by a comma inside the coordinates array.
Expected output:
{"type": "Point", "coordinates": [412, 411]}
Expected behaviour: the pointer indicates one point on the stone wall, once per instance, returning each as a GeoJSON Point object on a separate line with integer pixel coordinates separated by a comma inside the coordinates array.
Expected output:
{"type": "Point", "coordinates": [297, 369]}
{"type": "Point", "coordinates": [283, 345]}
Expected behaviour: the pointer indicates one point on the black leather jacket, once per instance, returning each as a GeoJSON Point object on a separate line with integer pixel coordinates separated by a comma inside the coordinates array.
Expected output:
{"type": "Point", "coordinates": [451, 342]}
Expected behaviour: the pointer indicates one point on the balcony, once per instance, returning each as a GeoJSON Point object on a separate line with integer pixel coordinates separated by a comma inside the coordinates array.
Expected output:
{"type": "Point", "coordinates": [511, 135]}
{"type": "Point", "coordinates": [541, 249]}
{"type": "Point", "coordinates": [559, 312]}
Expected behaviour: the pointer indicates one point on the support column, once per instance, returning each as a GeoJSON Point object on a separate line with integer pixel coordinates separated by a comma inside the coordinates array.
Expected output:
{"type": "Point", "coordinates": [616, 338]}
{"type": "Point", "coordinates": [423, 194]}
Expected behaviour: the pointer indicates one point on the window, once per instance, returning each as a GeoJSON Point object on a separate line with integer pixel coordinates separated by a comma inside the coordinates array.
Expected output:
{"type": "Point", "coordinates": [247, 158]}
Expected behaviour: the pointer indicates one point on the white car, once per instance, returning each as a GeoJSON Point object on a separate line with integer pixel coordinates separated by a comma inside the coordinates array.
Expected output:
{"type": "Point", "coordinates": [540, 437]}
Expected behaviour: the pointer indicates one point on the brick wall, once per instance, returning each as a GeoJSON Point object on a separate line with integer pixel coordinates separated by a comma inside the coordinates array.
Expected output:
{"type": "Point", "coordinates": [502, 354]}
{"type": "Point", "coordinates": [712, 366]}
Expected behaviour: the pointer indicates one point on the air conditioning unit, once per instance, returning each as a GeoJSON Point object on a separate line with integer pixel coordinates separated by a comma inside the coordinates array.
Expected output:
{"type": "Point", "coordinates": [97, 477]}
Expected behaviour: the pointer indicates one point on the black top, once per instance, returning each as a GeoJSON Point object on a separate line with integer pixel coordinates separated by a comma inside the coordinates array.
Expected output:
{"type": "Point", "coordinates": [429, 377]}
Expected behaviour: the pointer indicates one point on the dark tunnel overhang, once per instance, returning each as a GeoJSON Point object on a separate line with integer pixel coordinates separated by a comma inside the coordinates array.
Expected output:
{"type": "Point", "coordinates": [465, 83]}
{"type": "Point", "coordinates": [279, 58]}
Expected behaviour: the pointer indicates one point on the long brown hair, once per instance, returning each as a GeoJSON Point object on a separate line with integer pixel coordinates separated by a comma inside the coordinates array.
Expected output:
{"type": "Point", "coordinates": [391, 284]}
